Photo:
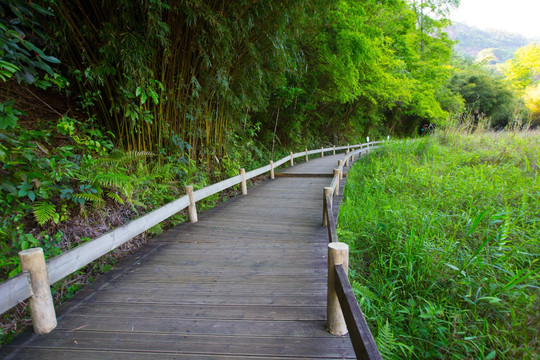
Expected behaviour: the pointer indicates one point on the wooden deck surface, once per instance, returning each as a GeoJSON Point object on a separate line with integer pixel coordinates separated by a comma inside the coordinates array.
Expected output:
{"type": "Point", "coordinates": [248, 281]}
{"type": "Point", "coordinates": [322, 167]}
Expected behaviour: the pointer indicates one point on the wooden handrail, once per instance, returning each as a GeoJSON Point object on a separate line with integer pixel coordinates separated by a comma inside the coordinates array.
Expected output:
{"type": "Point", "coordinates": [332, 236]}
{"type": "Point", "coordinates": [362, 340]}
{"type": "Point", "coordinates": [17, 289]}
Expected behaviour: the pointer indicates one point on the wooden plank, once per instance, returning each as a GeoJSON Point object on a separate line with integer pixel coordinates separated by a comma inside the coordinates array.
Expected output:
{"type": "Point", "coordinates": [13, 291]}
{"type": "Point", "coordinates": [240, 328]}
{"type": "Point", "coordinates": [196, 344]}
{"type": "Point", "coordinates": [269, 280]}
{"type": "Point", "coordinates": [168, 291]}
{"type": "Point", "coordinates": [217, 187]}
{"type": "Point", "coordinates": [361, 337]}
{"type": "Point", "coordinates": [253, 173]}
{"type": "Point", "coordinates": [55, 354]}
{"type": "Point", "coordinates": [334, 183]}
{"type": "Point", "coordinates": [195, 311]}
{"type": "Point", "coordinates": [306, 175]}
{"type": "Point", "coordinates": [281, 161]}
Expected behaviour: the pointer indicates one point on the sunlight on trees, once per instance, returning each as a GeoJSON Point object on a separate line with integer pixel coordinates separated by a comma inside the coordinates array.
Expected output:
{"type": "Point", "coordinates": [523, 72]}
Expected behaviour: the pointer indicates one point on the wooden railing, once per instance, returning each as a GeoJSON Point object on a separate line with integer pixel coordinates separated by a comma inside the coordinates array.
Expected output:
{"type": "Point", "coordinates": [343, 312]}
{"type": "Point", "coordinates": [37, 275]}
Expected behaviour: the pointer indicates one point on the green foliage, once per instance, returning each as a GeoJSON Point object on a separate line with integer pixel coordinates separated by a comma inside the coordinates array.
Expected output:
{"type": "Point", "coordinates": [44, 211]}
{"type": "Point", "coordinates": [524, 69]}
{"type": "Point", "coordinates": [227, 59]}
{"type": "Point", "coordinates": [370, 72]}
{"type": "Point", "coordinates": [43, 185]}
{"type": "Point", "coordinates": [446, 244]}
{"type": "Point", "coordinates": [487, 95]}
{"type": "Point", "coordinates": [8, 116]}
{"type": "Point", "coordinates": [18, 55]}
{"type": "Point", "coordinates": [292, 74]}
{"type": "Point", "coordinates": [523, 72]}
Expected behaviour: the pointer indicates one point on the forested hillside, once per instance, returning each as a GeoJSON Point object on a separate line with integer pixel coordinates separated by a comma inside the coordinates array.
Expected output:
{"type": "Point", "coordinates": [493, 46]}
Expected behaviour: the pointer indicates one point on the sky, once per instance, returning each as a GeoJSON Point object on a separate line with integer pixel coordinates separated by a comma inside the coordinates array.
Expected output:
{"type": "Point", "coordinates": [515, 16]}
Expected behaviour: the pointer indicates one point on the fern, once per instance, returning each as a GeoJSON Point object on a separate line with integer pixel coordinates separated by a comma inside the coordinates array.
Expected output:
{"type": "Point", "coordinates": [364, 295]}
{"type": "Point", "coordinates": [115, 197]}
{"type": "Point", "coordinates": [117, 180]}
{"type": "Point", "coordinates": [156, 230]}
{"type": "Point", "coordinates": [163, 172]}
{"type": "Point", "coordinates": [135, 202]}
{"type": "Point", "coordinates": [119, 158]}
{"type": "Point", "coordinates": [388, 344]}
{"type": "Point", "coordinates": [133, 156]}
{"type": "Point", "coordinates": [97, 200]}
{"type": "Point", "coordinates": [43, 212]}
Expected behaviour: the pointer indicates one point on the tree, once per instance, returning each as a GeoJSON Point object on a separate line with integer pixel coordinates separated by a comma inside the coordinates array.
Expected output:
{"type": "Point", "coordinates": [486, 94]}
{"type": "Point", "coordinates": [523, 71]}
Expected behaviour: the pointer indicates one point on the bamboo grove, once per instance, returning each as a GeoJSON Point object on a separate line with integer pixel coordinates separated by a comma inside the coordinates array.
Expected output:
{"type": "Point", "coordinates": [186, 70]}
{"type": "Point", "coordinates": [199, 76]}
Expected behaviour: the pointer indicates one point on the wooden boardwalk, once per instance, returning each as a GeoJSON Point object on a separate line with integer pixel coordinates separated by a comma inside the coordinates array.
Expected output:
{"type": "Point", "coordinates": [248, 281]}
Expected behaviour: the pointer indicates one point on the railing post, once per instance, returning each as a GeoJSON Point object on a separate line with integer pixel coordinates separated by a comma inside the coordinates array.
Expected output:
{"type": "Point", "coordinates": [327, 192]}
{"type": "Point", "coordinates": [340, 162]}
{"type": "Point", "coordinates": [41, 302]}
{"type": "Point", "coordinates": [272, 169]}
{"type": "Point", "coordinates": [347, 158]}
{"type": "Point", "coordinates": [244, 185]}
{"type": "Point", "coordinates": [322, 151]}
{"type": "Point", "coordinates": [348, 148]}
{"type": "Point", "coordinates": [336, 174]}
{"type": "Point", "coordinates": [192, 208]}
{"type": "Point", "coordinates": [338, 254]}
{"type": "Point", "coordinates": [292, 160]}
{"type": "Point", "coordinates": [334, 150]}
{"type": "Point", "coordinates": [307, 158]}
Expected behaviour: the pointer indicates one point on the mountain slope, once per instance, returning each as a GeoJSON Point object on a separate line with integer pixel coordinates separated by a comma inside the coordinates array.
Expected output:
{"type": "Point", "coordinates": [492, 45]}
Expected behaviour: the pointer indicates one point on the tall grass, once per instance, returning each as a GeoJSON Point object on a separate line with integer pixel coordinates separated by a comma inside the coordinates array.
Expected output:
{"type": "Point", "coordinates": [444, 237]}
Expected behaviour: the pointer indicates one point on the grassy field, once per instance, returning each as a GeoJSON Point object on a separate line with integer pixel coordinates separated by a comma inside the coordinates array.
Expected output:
{"type": "Point", "coordinates": [444, 239]}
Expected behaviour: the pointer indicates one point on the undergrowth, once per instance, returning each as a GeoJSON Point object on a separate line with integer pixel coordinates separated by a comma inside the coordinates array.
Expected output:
{"type": "Point", "coordinates": [444, 240]}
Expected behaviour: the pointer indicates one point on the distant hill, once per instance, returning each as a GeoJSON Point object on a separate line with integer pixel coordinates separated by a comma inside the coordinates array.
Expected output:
{"type": "Point", "coordinates": [492, 45]}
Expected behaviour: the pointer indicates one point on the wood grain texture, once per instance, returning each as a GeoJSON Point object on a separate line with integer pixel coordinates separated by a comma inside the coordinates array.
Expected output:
{"type": "Point", "coordinates": [363, 342]}
{"type": "Point", "coordinates": [247, 281]}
